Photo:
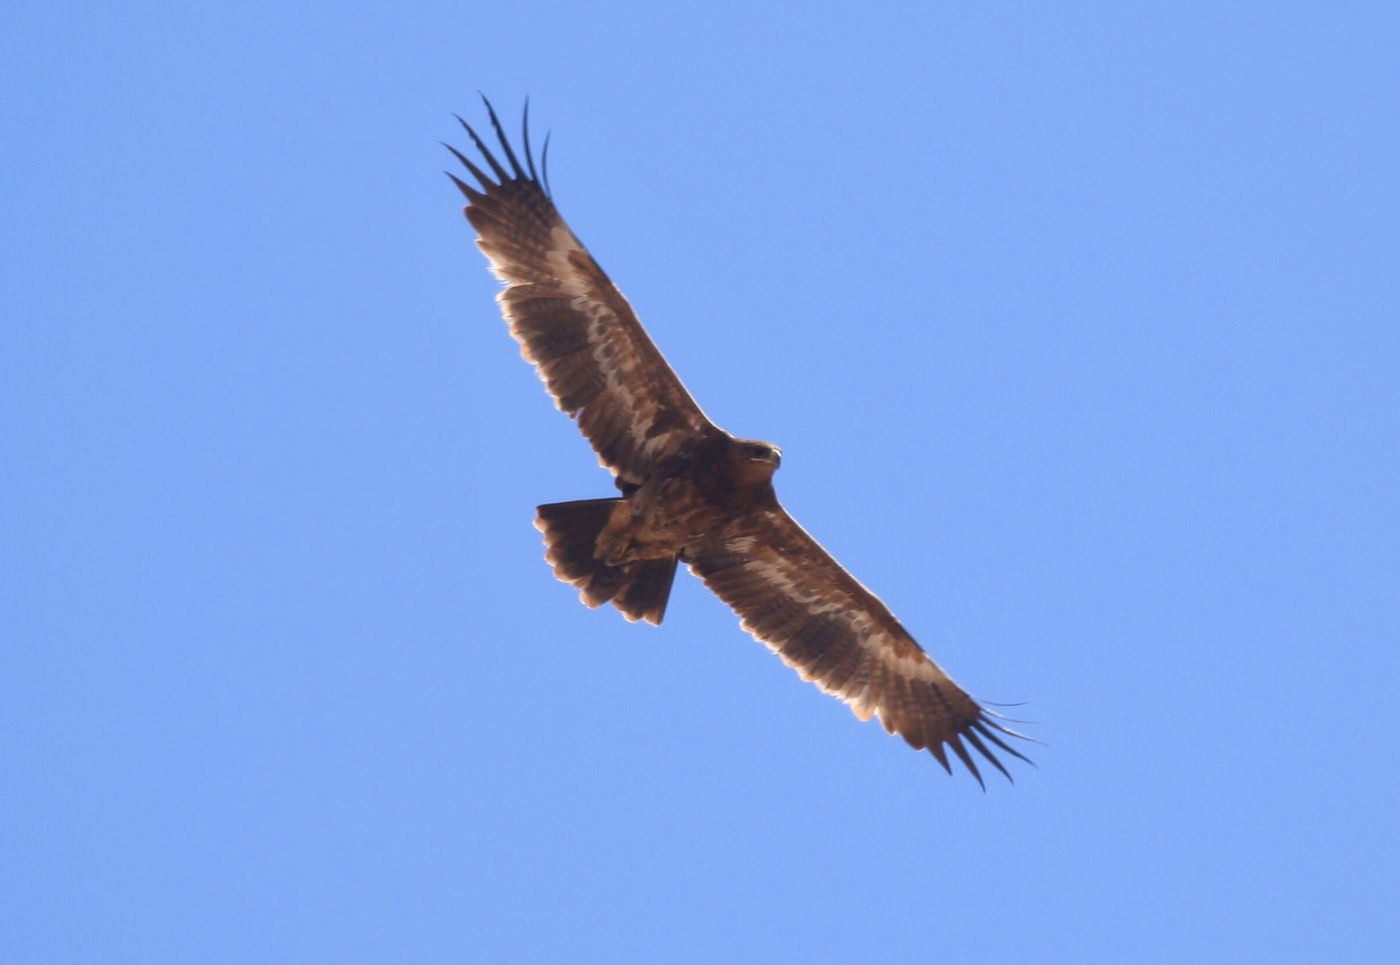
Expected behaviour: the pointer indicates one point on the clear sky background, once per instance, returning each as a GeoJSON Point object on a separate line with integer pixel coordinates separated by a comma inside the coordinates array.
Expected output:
{"type": "Point", "coordinates": [1077, 324]}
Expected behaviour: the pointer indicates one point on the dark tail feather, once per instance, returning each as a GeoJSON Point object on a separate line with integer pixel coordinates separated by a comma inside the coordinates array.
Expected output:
{"type": "Point", "coordinates": [648, 588]}
{"type": "Point", "coordinates": [640, 590]}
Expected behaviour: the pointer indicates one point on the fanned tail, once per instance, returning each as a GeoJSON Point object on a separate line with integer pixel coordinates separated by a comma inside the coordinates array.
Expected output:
{"type": "Point", "coordinates": [640, 590]}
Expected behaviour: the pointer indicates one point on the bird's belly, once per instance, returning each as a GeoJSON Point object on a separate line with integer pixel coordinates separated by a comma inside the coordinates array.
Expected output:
{"type": "Point", "coordinates": [655, 522]}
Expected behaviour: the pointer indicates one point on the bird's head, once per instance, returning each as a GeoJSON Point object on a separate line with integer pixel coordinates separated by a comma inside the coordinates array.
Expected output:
{"type": "Point", "coordinates": [756, 460]}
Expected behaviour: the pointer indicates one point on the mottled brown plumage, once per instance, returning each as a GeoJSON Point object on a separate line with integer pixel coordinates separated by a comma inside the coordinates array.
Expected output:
{"type": "Point", "coordinates": [690, 491]}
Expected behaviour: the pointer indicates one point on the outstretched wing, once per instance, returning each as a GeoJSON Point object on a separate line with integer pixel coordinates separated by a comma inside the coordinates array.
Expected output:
{"type": "Point", "coordinates": [792, 596]}
{"type": "Point", "coordinates": [572, 322]}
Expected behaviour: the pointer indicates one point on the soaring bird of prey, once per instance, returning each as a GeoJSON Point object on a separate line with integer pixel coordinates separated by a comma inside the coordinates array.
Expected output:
{"type": "Point", "coordinates": [690, 492]}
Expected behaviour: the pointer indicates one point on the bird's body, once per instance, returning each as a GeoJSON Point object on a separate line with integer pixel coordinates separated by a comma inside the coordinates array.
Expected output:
{"type": "Point", "coordinates": [690, 492]}
{"type": "Point", "coordinates": [677, 507]}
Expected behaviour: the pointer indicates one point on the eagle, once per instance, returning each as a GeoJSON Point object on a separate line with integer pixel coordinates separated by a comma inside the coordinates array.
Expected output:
{"type": "Point", "coordinates": [689, 491]}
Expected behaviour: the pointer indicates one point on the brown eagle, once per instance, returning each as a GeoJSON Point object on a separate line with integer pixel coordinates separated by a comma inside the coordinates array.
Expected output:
{"type": "Point", "coordinates": [691, 492]}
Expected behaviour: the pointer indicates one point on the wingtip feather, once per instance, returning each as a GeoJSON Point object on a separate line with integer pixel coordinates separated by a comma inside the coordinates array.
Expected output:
{"type": "Point", "coordinates": [981, 748]}
{"type": "Point", "coordinates": [955, 742]}
{"type": "Point", "coordinates": [502, 175]}
{"type": "Point", "coordinates": [525, 141]}
{"type": "Point", "coordinates": [501, 137]}
{"type": "Point", "coordinates": [987, 732]}
{"type": "Point", "coordinates": [941, 756]}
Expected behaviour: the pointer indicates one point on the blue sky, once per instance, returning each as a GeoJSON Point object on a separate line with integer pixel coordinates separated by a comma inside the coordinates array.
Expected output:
{"type": "Point", "coordinates": [1077, 324]}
